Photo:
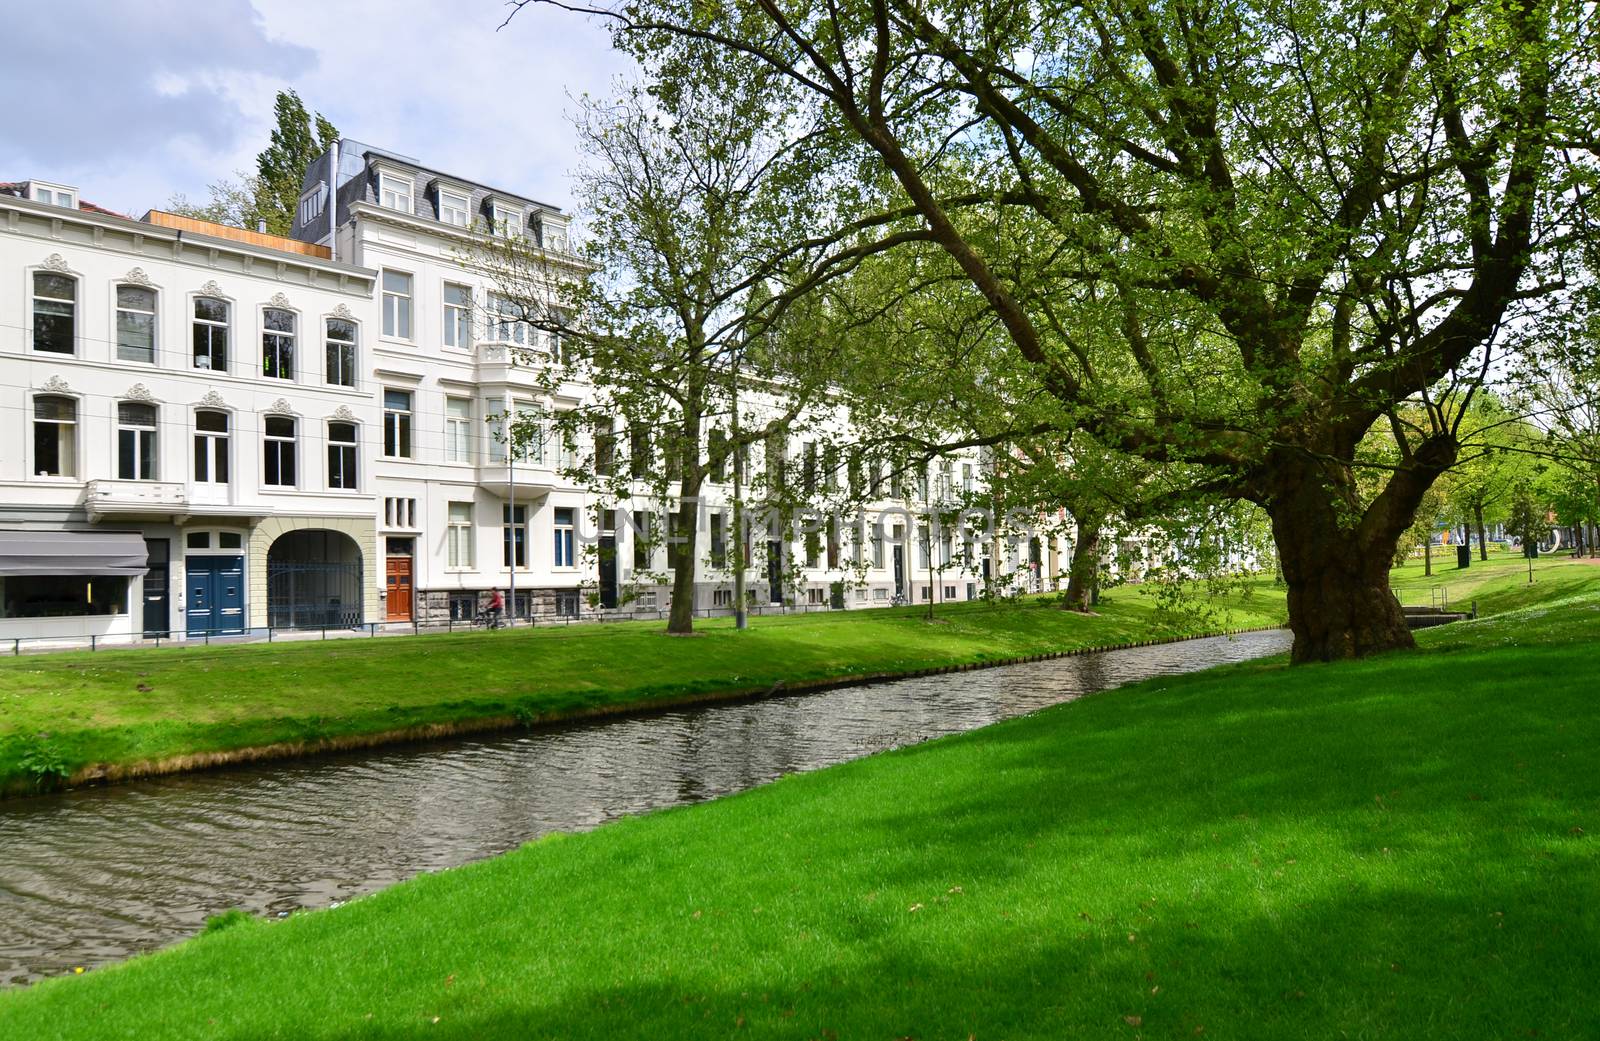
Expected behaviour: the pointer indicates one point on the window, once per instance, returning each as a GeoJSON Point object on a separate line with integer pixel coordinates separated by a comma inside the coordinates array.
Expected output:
{"type": "Point", "coordinates": [277, 344]}
{"type": "Point", "coordinates": [198, 540]}
{"type": "Point", "coordinates": [55, 436]}
{"type": "Point", "coordinates": [62, 596]}
{"type": "Point", "coordinates": [210, 333]}
{"type": "Point", "coordinates": [341, 337]}
{"type": "Point", "coordinates": [211, 447]}
{"type": "Point", "coordinates": [136, 441]}
{"type": "Point", "coordinates": [399, 512]}
{"type": "Point", "coordinates": [722, 598]}
{"type": "Point", "coordinates": [809, 468]}
{"type": "Point", "coordinates": [454, 208]}
{"type": "Point", "coordinates": [564, 536]}
{"type": "Point", "coordinates": [54, 195]}
{"type": "Point", "coordinates": [966, 478]}
{"type": "Point", "coordinates": [813, 543]}
{"type": "Point", "coordinates": [457, 316]}
{"type": "Point", "coordinates": [641, 540]}
{"type": "Point", "coordinates": [717, 455]}
{"type": "Point", "coordinates": [342, 455]}
{"type": "Point", "coordinates": [531, 429]}
{"type": "Point", "coordinates": [55, 312]}
{"type": "Point", "coordinates": [504, 324]}
{"type": "Point", "coordinates": [877, 545]}
{"type": "Point", "coordinates": [949, 592]}
{"type": "Point", "coordinates": [397, 424]}
{"type": "Point", "coordinates": [507, 220]}
{"type": "Point", "coordinates": [719, 541]}
{"type": "Point", "coordinates": [279, 450]}
{"type": "Point", "coordinates": [922, 544]}
{"type": "Point", "coordinates": [514, 536]}
{"type": "Point", "coordinates": [458, 535]}
{"type": "Point", "coordinates": [397, 304]}
{"type": "Point", "coordinates": [136, 323]}
{"type": "Point", "coordinates": [458, 430]}
{"type": "Point", "coordinates": [311, 205]}
{"type": "Point", "coordinates": [605, 448]}
{"type": "Point", "coordinates": [394, 193]}
{"type": "Point", "coordinates": [230, 540]}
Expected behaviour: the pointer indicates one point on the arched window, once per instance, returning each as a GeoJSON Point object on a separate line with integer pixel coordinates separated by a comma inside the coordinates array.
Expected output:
{"type": "Point", "coordinates": [210, 333]}
{"type": "Point", "coordinates": [277, 344]}
{"type": "Point", "coordinates": [55, 436]}
{"type": "Point", "coordinates": [342, 444]}
{"type": "Point", "coordinates": [136, 441]}
{"type": "Point", "coordinates": [341, 339]}
{"type": "Point", "coordinates": [279, 450]}
{"type": "Point", "coordinates": [55, 312]}
{"type": "Point", "coordinates": [211, 447]}
{"type": "Point", "coordinates": [136, 324]}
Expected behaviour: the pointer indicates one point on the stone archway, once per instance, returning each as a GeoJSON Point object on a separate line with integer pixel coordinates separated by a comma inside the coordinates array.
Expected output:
{"type": "Point", "coordinates": [315, 579]}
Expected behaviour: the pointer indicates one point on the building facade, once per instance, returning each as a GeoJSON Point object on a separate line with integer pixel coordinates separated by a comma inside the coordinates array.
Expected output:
{"type": "Point", "coordinates": [219, 432]}
{"type": "Point", "coordinates": [186, 392]}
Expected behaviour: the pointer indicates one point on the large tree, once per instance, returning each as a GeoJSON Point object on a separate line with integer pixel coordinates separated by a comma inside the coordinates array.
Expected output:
{"type": "Point", "coordinates": [1237, 235]}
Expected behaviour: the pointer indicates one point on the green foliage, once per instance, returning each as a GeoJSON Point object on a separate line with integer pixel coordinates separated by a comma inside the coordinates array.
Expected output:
{"type": "Point", "coordinates": [272, 192]}
{"type": "Point", "coordinates": [42, 761]}
{"type": "Point", "coordinates": [1171, 860]}
{"type": "Point", "coordinates": [232, 918]}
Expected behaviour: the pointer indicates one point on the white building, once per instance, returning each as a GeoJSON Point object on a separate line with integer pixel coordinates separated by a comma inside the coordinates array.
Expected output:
{"type": "Point", "coordinates": [221, 431]}
{"type": "Point", "coordinates": [188, 426]}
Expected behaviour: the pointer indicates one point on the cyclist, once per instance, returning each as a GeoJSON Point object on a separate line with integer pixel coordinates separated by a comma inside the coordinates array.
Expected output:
{"type": "Point", "coordinates": [497, 604]}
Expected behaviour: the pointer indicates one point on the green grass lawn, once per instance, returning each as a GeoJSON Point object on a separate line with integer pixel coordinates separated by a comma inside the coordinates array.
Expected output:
{"type": "Point", "coordinates": [132, 706]}
{"type": "Point", "coordinates": [1402, 847]}
{"type": "Point", "coordinates": [1498, 584]}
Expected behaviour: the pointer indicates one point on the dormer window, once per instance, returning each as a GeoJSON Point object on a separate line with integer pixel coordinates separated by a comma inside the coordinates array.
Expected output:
{"type": "Point", "coordinates": [507, 220]}
{"type": "Point", "coordinates": [554, 236]}
{"type": "Point", "coordinates": [394, 192]}
{"type": "Point", "coordinates": [454, 208]}
{"type": "Point", "coordinates": [53, 194]}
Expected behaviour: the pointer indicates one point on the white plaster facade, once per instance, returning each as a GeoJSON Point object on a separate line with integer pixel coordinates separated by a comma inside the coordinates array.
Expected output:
{"type": "Point", "coordinates": [115, 367]}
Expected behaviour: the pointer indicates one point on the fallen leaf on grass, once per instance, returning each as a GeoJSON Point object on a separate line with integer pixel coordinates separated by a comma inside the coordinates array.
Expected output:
{"type": "Point", "coordinates": [1133, 1021]}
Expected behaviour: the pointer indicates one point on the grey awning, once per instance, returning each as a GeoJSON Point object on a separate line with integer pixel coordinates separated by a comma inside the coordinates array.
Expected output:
{"type": "Point", "coordinates": [71, 553]}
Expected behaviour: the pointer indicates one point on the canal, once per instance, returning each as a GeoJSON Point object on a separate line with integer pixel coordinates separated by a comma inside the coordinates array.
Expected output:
{"type": "Point", "coordinates": [93, 876]}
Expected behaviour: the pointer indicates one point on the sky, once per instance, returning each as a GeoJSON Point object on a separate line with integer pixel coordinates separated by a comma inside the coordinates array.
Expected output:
{"type": "Point", "coordinates": [135, 102]}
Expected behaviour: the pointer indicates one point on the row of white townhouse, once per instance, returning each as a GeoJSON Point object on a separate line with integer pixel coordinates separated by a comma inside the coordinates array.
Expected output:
{"type": "Point", "coordinates": [217, 431]}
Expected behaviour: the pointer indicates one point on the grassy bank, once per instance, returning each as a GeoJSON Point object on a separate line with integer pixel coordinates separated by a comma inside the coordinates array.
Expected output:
{"type": "Point", "coordinates": [1402, 847]}
{"type": "Point", "coordinates": [139, 706]}
{"type": "Point", "coordinates": [1497, 584]}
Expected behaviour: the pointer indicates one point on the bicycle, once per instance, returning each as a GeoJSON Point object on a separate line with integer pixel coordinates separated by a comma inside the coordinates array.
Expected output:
{"type": "Point", "coordinates": [487, 619]}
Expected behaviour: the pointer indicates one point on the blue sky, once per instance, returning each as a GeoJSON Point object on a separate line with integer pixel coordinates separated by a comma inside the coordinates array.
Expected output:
{"type": "Point", "coordinates": [136, 102]}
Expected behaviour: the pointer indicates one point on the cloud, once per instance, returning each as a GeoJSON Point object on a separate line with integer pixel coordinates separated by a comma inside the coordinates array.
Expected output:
{"type": "Point", "coordinates": [103, 84]}
{"type": "Point", "coordinates": [135, 102]}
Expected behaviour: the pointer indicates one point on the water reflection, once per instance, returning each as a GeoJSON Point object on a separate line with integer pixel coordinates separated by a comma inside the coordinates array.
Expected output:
{"type": "Point", "coordinates": [93, 876]}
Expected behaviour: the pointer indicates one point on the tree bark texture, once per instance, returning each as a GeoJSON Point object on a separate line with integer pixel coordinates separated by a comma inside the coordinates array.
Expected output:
{"type": "Point", "coordinates": [1084, 567]}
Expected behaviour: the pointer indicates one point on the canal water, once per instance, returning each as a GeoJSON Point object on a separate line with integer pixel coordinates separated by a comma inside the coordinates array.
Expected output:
{"type": "Point", "coordinates": [95, 875]}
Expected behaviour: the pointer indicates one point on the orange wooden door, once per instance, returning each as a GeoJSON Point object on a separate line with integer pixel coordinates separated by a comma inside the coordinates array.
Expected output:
{"type": "Point", "coordinates": [399, 589]}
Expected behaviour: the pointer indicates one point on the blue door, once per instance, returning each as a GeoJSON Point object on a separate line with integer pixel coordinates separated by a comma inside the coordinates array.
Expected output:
{"type": "Point", "coordinates": [216, 594]}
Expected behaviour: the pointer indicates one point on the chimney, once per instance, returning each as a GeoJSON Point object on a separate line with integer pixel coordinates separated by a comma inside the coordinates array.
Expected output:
{"type": "Point", "coordinates": [261, 226]}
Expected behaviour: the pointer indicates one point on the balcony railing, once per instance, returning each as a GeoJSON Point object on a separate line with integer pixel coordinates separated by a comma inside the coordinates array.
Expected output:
{"type": "Point", "coordinates": [116, 498]}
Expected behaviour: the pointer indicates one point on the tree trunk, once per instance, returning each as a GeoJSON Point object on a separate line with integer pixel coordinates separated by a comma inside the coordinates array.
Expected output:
{"type": "Point", "coordinates": [683, 550]}
{"type": "Point", "coordinates": [1336, 556]}
{"type": "Point", "coordinates": [1085, 566]}
{"type": "Point", "coordinates": [1483, 535]}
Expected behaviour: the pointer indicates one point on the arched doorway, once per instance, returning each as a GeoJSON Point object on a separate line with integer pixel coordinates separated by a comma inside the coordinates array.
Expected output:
{"type": "Point", "coordinates": [314, 580]}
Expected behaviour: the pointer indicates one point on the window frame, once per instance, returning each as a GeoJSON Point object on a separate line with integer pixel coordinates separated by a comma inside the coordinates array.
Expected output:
{"type": "Point", "coordinates": [384, 189]}
{"type": "Point", "coordinates": [292, 335]}
{"type": "Point", "coordinates": [344, 469]}
{"type": "Point", "coordinates": [457, 431]}
{"type": "Point", "coordinates": [459, 536]}
{"type": "Point", "coordinates": [64, 473]}
{"type": "Point", "coordinates": [457, 318]}
{"type": "Point", "coordinates": [276, 455]}
{"type": "Point", "coordinates": [405, 305]}
{"type": "Point", "coordinates": [154, 315]}
{"type": "Point", "coordinates": [225, 325]}
{"type": "Point", "coordinates": [72, 314]}
{"type": "Point", "coordinates": [465, 209]}
{"type": "Point", "coordinates": [212, 445]}
{"type": "Point", "coordinates": [143, 446]}
{"type": "Point", "coordinates": [514, 533]}
{"type": "Point", "coordinates": [564, 536]}
{"type": "Point", "coordinates": [329, 342]}
{"type": "Point", "coordinates": [399, 425]}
